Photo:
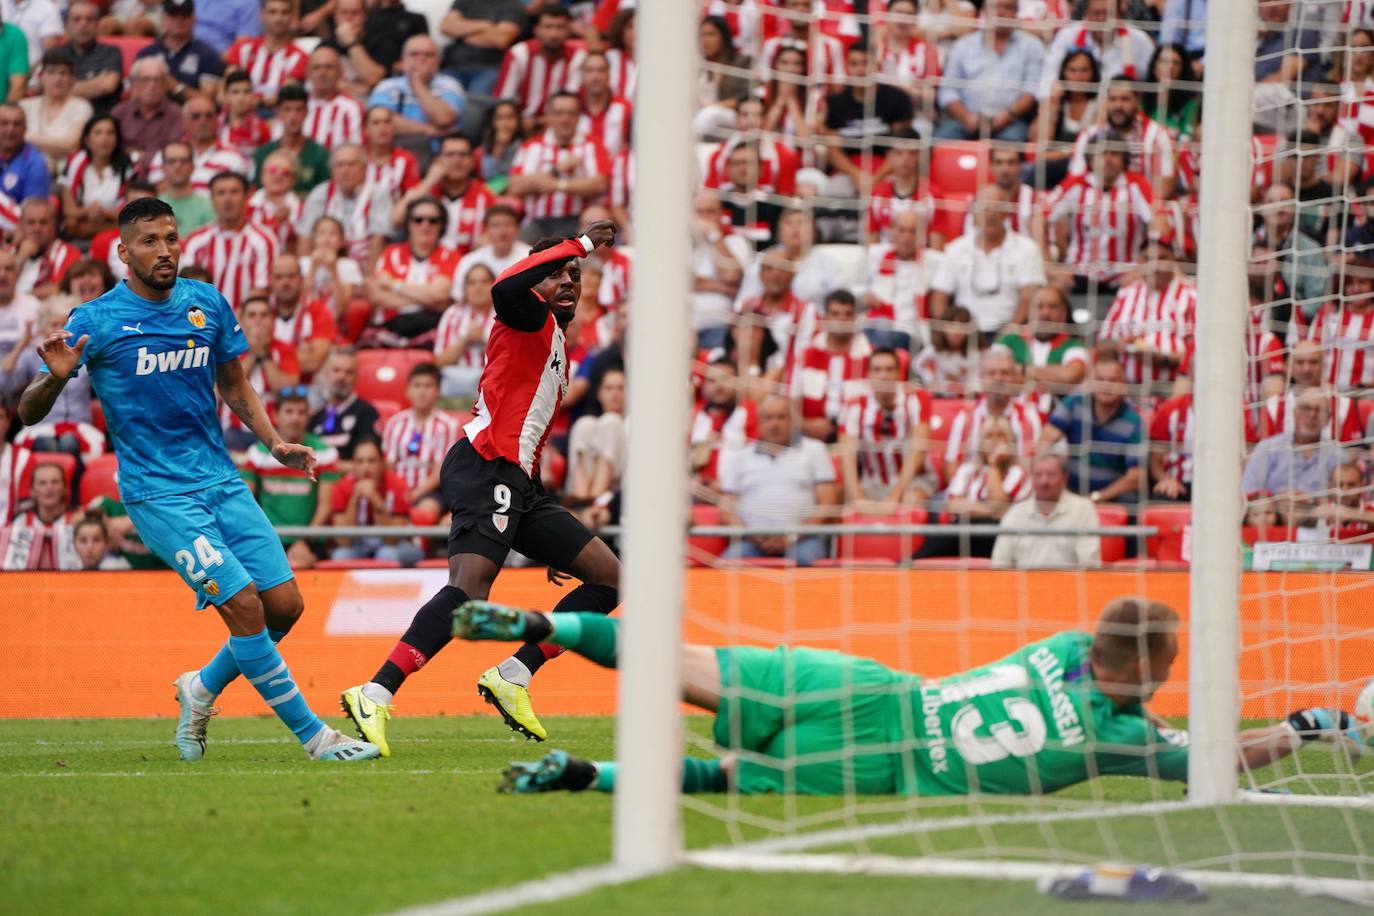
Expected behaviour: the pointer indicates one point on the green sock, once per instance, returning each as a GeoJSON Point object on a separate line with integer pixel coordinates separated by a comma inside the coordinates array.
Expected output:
{"type": "Point", "coordinates": [605, 776]}
{"type": "Point", "coordinates": [702, 775]}
{"type": "Point", "coordinates": [593, 636]}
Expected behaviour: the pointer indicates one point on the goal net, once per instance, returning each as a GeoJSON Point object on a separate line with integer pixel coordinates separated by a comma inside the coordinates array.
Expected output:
{"type": "Point", "coordinates": [945, 242]}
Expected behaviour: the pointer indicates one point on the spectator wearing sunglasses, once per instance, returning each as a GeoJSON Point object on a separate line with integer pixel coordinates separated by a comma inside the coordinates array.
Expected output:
{"type": "Point", "coordinates": [287, 495]}
{"type": "Point", "coordinates": [413, 282]}
{"type": "Point", "coordinates": [416, 440]}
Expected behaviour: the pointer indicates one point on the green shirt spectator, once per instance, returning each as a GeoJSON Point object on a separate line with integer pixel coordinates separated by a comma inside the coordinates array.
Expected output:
{"type": "Point", "coordinates": [312, 165]}
{"type": "Point", "coordinates": [14, 61]}
{"type": "Point", "coordinates": [288, 496]}
{"type": "Point", "coordinates": [192, 211]}
{"type": "Point", "coordinates": [130, 545]}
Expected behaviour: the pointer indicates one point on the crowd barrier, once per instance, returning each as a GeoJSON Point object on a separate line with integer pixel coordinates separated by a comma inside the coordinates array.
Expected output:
{"type": "Point", "coordinates": [110, 644]}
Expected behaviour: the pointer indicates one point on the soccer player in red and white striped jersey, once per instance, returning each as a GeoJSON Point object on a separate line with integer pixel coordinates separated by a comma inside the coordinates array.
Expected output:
{"type": "Point", "coordinates": [1153, 319]}
{"type": "Point", "coordinates": [534, 70]}
{"type": "Point", "coordinates": [557, 174]}
{"type": "Point", "coordinates": [489, 483]}
{"type": "Point", "coordinates": [605, 117]}
{"type": "Point", "coordinates": [332, 117]}
{"type": "Point", "coordinates": [415, 440]}
{"type": "Point", "coordinates": [884, 439]}
{"type": "Point", "coordinates": [452, 182]}
{"type": "Point", "coordinates": [829, 367]}
{"type": "Point", "coordinates": [1099, 219]}
{"type": "Point", "coordinates": [1345, 329]}
{"type": "Point", "coordinates": [1149, 148]}
{"type": "Point", "coordinates": [271, 60]}
{"type": "Point", "coordinates": [238, 253]}
{"type": "Point", "coordinates": [388, 166]}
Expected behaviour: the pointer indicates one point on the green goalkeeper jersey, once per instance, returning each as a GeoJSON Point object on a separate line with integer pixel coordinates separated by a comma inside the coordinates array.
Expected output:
{"type": "Point", "coordinates": [1031, 723]}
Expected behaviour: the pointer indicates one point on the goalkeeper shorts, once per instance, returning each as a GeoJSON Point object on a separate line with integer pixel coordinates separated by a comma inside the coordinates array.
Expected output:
{"type": "Point", "coordinates": [809, 721]}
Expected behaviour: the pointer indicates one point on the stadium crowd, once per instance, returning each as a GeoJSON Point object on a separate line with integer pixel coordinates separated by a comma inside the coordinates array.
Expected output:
{"type": "Point", "coordinates": [942, 266]}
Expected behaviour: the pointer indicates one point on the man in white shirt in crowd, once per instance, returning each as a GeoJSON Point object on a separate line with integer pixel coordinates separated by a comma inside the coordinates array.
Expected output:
{"type": "Point", "coordinates": [501, 229]}
{"type": "Point", "coordinates": [1051, 507]}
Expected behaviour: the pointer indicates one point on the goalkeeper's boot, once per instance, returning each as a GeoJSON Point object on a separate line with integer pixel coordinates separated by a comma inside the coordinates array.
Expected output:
{"type": "Point", "coordinates": [478, 620]}
{"type": "Point", "coordinates": [1326, 724]}
{"type": "Point", "coordinates": [512, 701]}
{"type": "Point", "coordinates": [332, 744]}
{"type": "Point", "coordinates": [557, 771]}
{"type": "Point", "coordinates": [368, 716]}
{"type": "Point", "coordinates": [190, 738]}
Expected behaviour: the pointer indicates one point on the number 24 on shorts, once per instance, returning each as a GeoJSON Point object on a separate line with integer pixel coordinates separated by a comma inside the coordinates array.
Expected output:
{"type": "Point", "coordinates": [205, 553]}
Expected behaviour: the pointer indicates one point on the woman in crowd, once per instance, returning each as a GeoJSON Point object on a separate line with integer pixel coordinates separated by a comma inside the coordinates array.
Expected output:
{"type": "Point", "coordinates": [948, 366]}
{"type": "Point", "coordinates": [330, 274]}
{"type": "Point", "coordinates": [1174, 106]}
{"type": "Point", "coordinates": [275, 206]}
{"type": "Point", "coordinates": [981, 490]}
{"type": "Point", "coordinates": [502, 138]}
{"type": "Point", "coordinates": [55, 118]}
{"type": "Point", "coordinates": [87, 279]}
{"type": "Point", "coordinates": [596, 454]}
{"type": "Point", "coordinates": [792, 108]}
{"type": "Point", "coordinates": [1070, 109]}
{"type": "Point", "coordinates": [719, 91]}
{"type": "Point", "coordinates": [92, 181]}
{"type": "Point", "coordinates": [460, 342]}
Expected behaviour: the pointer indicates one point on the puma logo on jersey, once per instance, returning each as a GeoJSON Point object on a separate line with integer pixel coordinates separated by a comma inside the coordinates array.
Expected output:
{"type": "Point", "coordinates": [172, 360]}
{"type": "Point", "coordinates": [137, 328]}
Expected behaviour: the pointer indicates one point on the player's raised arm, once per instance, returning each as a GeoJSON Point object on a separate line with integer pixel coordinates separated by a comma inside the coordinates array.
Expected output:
{"type": "Point", "coordinates": [62, 361]}
{"type": "Point", "coordinates": [243, 400]}
{"type": "Point", "coordinates": [513, 295]}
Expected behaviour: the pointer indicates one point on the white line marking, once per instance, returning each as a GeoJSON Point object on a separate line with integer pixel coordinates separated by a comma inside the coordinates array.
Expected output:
{"type": "Point", "coordinates": [126, 774]}
{"type": "Point", "coordinates": [548, 889]}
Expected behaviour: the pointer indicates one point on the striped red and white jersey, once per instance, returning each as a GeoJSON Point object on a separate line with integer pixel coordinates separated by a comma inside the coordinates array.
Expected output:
{"type": "Point", "coordinates": [239, 260]}
{"type": "Point", "coordinates": [610, 128]}
{"type": "Point", "coordinates": [778, 164]}
{"type": "Point", "coordinates": [400, 263]}
{"type": "Point", "coordinates": [330, 122]}
{"type": "Point", "coordinates": [882, 433]}
{"type": "Point", "coordinates": [311, 320]}
{"type": "Point", "coordinates": [14, 464]}
{"type": "Point", "coordinates": [1175, 423]}
{"type": "Point", "coordinates": [1190, 165]}
{"type": "Point", "coordinates": [792, 323]}
{"type": "Point", "coordinates": [31, 543]}
{"type": "Point", "coordinates": [1182, 226]}
{"type": "Point", "coordinates": [900, 286]}
{"type": "Point", "coordinates": [970, 481]}
{"type": "Point", "coordinates": [724, 429]}
{"type": "Point", "coordinates": [269, 215]}
{"type": "Point", "coordinates": [966, 428]}
{"type": "Point", "coordinates": [454, 326]}
{"type": "Point", "coordinates": [1276, 416]}
{"type": "Point", "coordinates": [1347, 337]}
{"type": "Point", "coordinates": [9, 213]}
{"type": "Point", "coordinates": [398, 174]}
{"type": "Point", "coordinates": [1357, 109]}
{"type": "Point", "coordinates": [209, 162]}
{"type": "Point", "coordinates": [1106, 226]}
{"type": "Point", "coordinates": [529, 77]}
{"type": "Point", "coordinates": [545, 156]}
{"type": "Point", "coordinates": [1149, 149]}
{"type": "Point", "coordinates": [47, 266]}
{"type": "Point", "coordinates": [1027, 202]}
{"type": "Point", "coordinates": [90, 441]}
{"type": "Point", "coordinates": [526, 374]}
{"type": "Point", "coordinates": [1161, 321]}
{"type": "Point", "coordinates": [88, 184]}
{"type": "Point", "coordinates": [269, 69]}
{"type": "Point", "coordinates": [887, 202]}
{"type": "Point", "coordinates": [825, 58]}
{"type": "Point", "coordinates": [919, 60]}
{"type": "Point", "coordinates": [622, 179]}
{"type": "Point", "coordinates": [1264, 351]}
{"type": "Point", "coordinates": [245, 136]}
{"type": "Point", "coordinates": [624, 76]}
{"type": "Point", "coordinates": [615, 278]}
{"type": "Point", "coordinates": [415, 448]}
{"type": "Point", "coordinates": [465, 215]}
{"type": "Point", "coordinates": [824, 380]}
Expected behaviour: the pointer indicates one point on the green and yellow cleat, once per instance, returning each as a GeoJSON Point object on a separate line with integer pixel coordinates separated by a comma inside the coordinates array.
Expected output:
{"type": "Point", "coordinates": [511, 700]}
{"type": "Point", "coordinates": [481, 620]}
{"type": "Point", "coordinates": [368, 716]}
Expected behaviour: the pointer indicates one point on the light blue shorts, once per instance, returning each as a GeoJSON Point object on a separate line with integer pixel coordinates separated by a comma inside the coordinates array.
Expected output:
{"type": "Point", "coordinates": [217, 538]}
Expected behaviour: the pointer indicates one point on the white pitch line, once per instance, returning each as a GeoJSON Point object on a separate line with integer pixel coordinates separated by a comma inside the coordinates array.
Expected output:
{"type": "Point", "coordinates": [549, 889]}
{"type": "Point", "coordinates": [330, 771]}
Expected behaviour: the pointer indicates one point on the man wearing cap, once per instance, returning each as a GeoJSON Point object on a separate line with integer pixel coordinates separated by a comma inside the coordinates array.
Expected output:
{"type": "Point", "coordinates": [195, 64]}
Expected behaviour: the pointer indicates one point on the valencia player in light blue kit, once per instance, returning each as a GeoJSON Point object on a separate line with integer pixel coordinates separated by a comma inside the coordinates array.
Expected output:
{"type": "Point", "coordinates": [157, 347]}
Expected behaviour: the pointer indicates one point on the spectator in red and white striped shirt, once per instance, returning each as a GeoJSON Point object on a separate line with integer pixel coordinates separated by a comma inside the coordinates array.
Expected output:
{"type": "Point", "coordinates": [332, 116]}
{"type": "Point", "coordinates": [1002, 382]}
{"type": "Point", "coordinates": [274, 206]}
{"type": "Point", "coordinates": [829, 367]}
{"type": "Point", "coordinates": [389, 167]}
{"type": "Point", "coordinates": [271, 60]}
{"type": "Point", "coordinates": [1024, 215]}
{"type": "Point", "coordinates": [1149, 148]}
{"type": "Point", "coordinates": [899, 277]}
{"type": "Point", "coordinates": [1345, 329]}
{"type": "Point", "coordinates": [825, 53]}
{"type": "Point", "coordinates": [1307, 367]}
{"type": "Point", "coordinates": [460, 341]}
{"type": "Point", "coordinates": [306, 324]}
{"type": "Point", "coordinates": [907, 59]}
{"type": "Point", "coordinates": [535, 70]}
{"type": "Point", "coordinates": [452, 181]}
{"type": "Point", "coordinates": [238, 253]}
{"type": "Point", "coordinates": [724, 420]}
{"type": "Point", "coordinates": [557, 174]}
{"type": "Point", "coordinates": [209, 155]}
{"type": "Point", "coordinates": [778, 162]}
{"type": "Point", "coordinates": [605, 117]}
{"type": "Point", "coordinates": [981, 489]}
{"type": "Point", "coordinates": [269, 364]}
{"type": "Point", "coordinates": [1171, 449]}
{"type": "Point", "coordinates": [43, 257]}
{"type": "Point", "coordinates": [902, 191]}
{"type": "Point", "coordinates": [1153, 319]}
{"type": "Point", "coordinates": [361, 206]}
{"type": "Point", "coordinates": [884, 440]}
{"type": "Point", "coordinates": [1099, 219]}
{"type": "Point", "coordinates": [416, 440]}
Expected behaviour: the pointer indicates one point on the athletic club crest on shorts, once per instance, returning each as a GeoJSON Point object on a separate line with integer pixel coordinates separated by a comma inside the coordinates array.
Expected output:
{"type": "Point", "coordinates": [196, 317]}
{"type": "Point", "coordinates": [500, 521]}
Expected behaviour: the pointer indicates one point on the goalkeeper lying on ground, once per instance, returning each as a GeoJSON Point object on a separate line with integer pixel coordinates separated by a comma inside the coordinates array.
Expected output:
{"type": "Point", "coordinates": [1056, 712]}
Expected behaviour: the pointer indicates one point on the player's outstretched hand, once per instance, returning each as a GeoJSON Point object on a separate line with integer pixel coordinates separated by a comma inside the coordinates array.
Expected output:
{"type": "Point", "coordinates": [557, 577]}
{"type": "Point", "coordinates": [300, 457]}
{"type": "Point", "coordinates": [602, 233]}
{"type": "Point", "coordinates": [61, 359]}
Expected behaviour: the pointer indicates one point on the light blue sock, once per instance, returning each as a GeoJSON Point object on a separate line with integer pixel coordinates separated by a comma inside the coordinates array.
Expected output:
{"type": "Point", "coordinates": [222, 670]}
{"type": "Point", "coordinates": [260, 662]}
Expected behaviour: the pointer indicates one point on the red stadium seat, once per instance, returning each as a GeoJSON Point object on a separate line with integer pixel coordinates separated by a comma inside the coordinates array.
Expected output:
{"type": "Point", "coordinates": [895, 547]}
{"type": "Point", "coordinates": [1267, 146]}
{"type": "Point", "coordinates": [943, 411]}
{"type": "Point", "coordinates": [100, 479]}
{"type": "Point", "coordinates": [62, 459]}
{"type": "Point", "coordinates": [950, 214]}
{"type": "Point", "coordinates": [1272, 534]}
{"type": "Point", "coordinates": [958, 168]}
{"type": "Point", "coordinates": [1113, 546]}
{"type": "Point", "coordinates": [356, 317]}
{"type": "Point", "coordinates": [128, 45]}
{"type": "Point", "coordinates": [385, 411]}
{"type": "Point", "coordinates": [382, 373]}
{"type": "Point", "coordinates": [702, 549]}
{"type": "Point", "coordinates": [553, 469]}
{"type": "Point", "coordinates": [357, 564]}
{"type": "Point", "coordinates": [1167, 545]}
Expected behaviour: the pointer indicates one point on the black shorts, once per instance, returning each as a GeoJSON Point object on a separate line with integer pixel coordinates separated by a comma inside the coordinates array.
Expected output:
{"type": "Point", "coordinates": [497, 508]}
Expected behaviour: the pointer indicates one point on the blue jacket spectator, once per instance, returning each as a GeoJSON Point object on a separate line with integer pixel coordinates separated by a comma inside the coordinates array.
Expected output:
{"type": "Point", "coordinates": [23, 170]}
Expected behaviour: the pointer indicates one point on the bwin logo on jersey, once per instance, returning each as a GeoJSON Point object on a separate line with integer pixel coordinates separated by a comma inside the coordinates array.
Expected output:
{"type": "Point", "coordinates": [172, 360]}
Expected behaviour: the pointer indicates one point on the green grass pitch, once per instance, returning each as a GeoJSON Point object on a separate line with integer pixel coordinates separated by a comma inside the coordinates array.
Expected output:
{"type": "Point", "coordinates": [100, 817]}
